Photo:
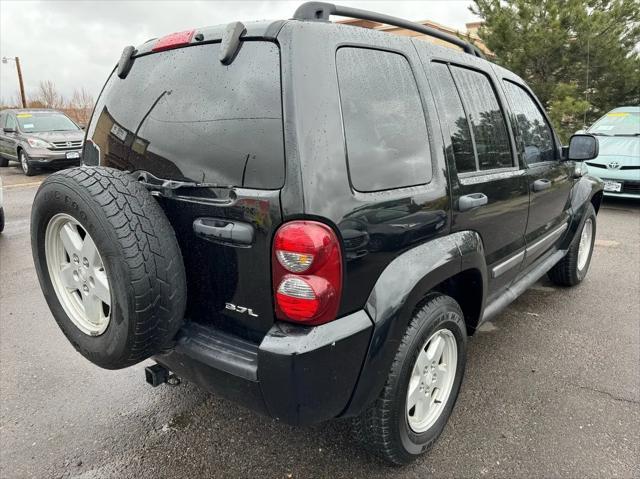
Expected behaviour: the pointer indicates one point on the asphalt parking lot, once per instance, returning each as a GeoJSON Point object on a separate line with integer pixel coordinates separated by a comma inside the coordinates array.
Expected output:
{"type": "Point", "coordinates": [552, 389]}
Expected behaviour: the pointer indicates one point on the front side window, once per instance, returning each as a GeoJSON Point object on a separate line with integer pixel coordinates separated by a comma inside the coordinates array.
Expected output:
{"type": "Point", "coordinates": [487, 120]}
{"type": "Point", "coordinates": [536, 140]}
{"type": "Point", "coordinates": [384, 124]}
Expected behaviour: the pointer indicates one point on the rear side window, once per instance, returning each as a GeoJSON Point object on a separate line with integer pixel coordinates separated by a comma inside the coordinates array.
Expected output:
{"type": "Point", "coordinates": [487, 121]}
{"type": "Point", "coordinates": [384, 123]}
{"type": "Point", "coordinates": [453, 116]}
{"type": "Point", "coordinates": [181, 114]}
{"type": "Point", "coordinates": [533, 130]}
{"type": "Point", "coordinates": [11, 122]}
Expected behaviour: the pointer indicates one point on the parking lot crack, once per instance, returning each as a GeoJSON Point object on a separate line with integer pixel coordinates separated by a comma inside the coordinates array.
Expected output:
{"type": "Point", "coordinates": [607, 393]}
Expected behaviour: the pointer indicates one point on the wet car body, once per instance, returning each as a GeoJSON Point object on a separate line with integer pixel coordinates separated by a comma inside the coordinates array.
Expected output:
{"type": "Point", "coordinates": [188, 143]}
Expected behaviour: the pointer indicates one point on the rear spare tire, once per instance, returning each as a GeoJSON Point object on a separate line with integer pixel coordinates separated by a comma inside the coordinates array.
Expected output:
{"type": "Point", "coordinates": [109, 265]}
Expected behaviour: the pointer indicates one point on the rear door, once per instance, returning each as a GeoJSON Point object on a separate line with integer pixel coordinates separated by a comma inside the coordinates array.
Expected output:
{"type": "Point", "coordinates": [549, 179]}
{"type": "Point", "coordinates": [182, 115]}
{"type": "Point", "coordinates": [489, 189]}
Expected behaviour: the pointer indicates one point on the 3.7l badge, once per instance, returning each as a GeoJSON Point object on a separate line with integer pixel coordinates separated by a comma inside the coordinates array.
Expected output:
{"type": "Point", "coordinates": [240, 309]}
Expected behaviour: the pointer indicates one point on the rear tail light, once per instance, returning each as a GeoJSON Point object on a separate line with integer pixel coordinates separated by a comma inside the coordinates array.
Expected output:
{"type": "Point", "coordinates": [174, 40]}
{"type": "Point", "coordinates": [307, 272]}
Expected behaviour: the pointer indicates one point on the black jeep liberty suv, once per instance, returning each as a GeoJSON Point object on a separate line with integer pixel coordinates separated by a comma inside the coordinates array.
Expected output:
{"type": "Point", "coordinates": [310, 218]}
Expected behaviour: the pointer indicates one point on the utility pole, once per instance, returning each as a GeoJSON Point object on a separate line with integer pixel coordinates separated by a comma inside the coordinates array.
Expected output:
{"type": "Point", "coordinates": [24, 100]}
{"type": "Point", "coordinates": [22, 96]}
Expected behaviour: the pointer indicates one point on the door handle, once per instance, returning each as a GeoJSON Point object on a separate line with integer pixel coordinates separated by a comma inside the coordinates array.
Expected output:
{"type": "Point", "coordinates": [233, 233]}
{"type": "Point", "coordinates": [542, 184]}
{"type": "Point", "coordinates": [473, 200]}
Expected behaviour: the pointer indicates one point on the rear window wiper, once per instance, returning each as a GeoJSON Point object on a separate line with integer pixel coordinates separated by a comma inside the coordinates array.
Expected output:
{"type": "Point", "coordinates": [152, 182]}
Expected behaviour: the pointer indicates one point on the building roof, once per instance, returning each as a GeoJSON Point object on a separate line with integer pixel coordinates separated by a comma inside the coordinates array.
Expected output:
{"type": "Point", "coordinates": [470, 35]}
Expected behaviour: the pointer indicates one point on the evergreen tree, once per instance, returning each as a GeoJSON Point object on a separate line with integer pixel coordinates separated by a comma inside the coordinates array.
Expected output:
{"type": "Point", "coordinates": [580, 57]}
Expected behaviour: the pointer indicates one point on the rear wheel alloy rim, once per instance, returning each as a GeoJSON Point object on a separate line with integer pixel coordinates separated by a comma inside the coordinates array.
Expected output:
{"type": "Point", "coordinates": [77, 274]}
{"type": "Point", "coordinates": [585, 243]}
{"type": "Point", "coordinates": [23, 162]}
{"type": "Point", "coordinates": [431, 380]}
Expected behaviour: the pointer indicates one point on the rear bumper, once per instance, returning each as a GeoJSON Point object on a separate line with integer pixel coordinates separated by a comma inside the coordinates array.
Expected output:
{"type": "Point", "coordinates": [299, 375]}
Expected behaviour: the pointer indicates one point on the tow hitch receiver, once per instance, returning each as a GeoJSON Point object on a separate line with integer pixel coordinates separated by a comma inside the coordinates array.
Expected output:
{"type": "Point", "coordinates": [158, 374]}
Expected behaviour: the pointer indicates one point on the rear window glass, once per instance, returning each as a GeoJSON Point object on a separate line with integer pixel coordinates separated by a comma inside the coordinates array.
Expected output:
{"type": "Point", "coordinates": [181, 114]}
{"type": "Point", "coordinates": [384, 123]}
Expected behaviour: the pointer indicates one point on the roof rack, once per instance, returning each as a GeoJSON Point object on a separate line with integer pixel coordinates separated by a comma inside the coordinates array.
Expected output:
{"type": "Point", "coordinates": [321, 11]}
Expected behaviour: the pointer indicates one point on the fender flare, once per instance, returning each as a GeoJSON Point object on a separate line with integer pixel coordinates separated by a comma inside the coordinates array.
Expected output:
{"type": "Point", "coordinates": [401, 287]}
{"type": "Point", "coordinates": [582, 195]}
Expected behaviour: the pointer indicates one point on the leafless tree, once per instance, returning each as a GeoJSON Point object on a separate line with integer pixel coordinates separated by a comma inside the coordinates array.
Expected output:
{"type": "Point", "coordinates": [81, 105]}
{"type": "Point", "coordinates": [49, 96]}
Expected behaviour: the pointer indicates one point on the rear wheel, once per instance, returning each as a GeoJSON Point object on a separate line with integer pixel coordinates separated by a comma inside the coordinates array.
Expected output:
{"type": "Point", "coordinates": [573, 268]}
{"type": "Point", "coordinates": [422, 385]}
{"type": "Point", "coordinates": [109, 265]}
{"type": "Point", "coordinates": [3, 162]}
{"type": "Point", "coordinates": [25, 163]}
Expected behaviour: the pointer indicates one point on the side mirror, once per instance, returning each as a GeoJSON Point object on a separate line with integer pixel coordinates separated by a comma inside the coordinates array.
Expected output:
{"type": "Point", "coordinates": [583, 147]}
{"type": "Point", "coordinates": [9, 130]}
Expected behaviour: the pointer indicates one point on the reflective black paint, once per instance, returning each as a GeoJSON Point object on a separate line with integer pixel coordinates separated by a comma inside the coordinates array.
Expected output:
{"type": "Point", "coordinates": [398, 244]}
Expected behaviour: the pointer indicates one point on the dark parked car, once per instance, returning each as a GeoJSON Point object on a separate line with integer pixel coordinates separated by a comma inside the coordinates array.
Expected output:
{"type": "Point", "coordinates": [39, 138]}
{"type": "Point", "coordinates": [311, 218]}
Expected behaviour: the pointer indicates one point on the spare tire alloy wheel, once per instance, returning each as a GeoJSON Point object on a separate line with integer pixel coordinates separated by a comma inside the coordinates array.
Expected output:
{"type": "Point", "coordinates": [77, 274]}
{"type": "Point", "coordinates": [109, 265]}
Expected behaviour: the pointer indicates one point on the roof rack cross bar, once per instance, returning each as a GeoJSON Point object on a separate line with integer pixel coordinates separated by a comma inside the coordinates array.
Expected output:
{"type": "Point", "coordinates": [321, 11]}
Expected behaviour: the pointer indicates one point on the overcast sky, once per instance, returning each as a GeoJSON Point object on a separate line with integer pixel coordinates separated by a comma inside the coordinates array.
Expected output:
{"type": "Point", "coordinates": [76, 43]}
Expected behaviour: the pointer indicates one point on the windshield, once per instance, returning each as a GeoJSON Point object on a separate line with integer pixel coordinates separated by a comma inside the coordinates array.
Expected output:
{"type": "Point", "coordinates": [617, 123]}
{"type": "Point", "coordinates": [45, 121]}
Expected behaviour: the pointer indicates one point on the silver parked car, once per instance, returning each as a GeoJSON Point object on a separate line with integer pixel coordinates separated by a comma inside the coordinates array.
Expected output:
{"type": "Point", "coordinates": [618, 163]}
{"type": "Point", "coordinates": [39, 138]}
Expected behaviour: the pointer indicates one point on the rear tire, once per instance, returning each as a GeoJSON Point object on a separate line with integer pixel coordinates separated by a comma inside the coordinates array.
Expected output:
{"type": "Point", "coordinates": [141, 266]}
{"type": "Point", "coordinates": [390, 427]}
{"type": "Point", "coordinates": [3, 162]}
{"type": "Point", "coordinates": [573, 268]}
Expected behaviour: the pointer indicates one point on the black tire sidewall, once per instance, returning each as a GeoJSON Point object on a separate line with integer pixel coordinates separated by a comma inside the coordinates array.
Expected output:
{"type": "Point", "coordinates": [416, 443]}
{"type": "Point", "coordinates": [581, 273]}
{"type": "Point", "coordinates": [112, 347]}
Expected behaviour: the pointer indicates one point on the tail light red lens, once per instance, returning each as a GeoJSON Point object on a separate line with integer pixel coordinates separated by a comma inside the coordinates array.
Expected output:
{"type": "Point", "coordinates": [307, 272]}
